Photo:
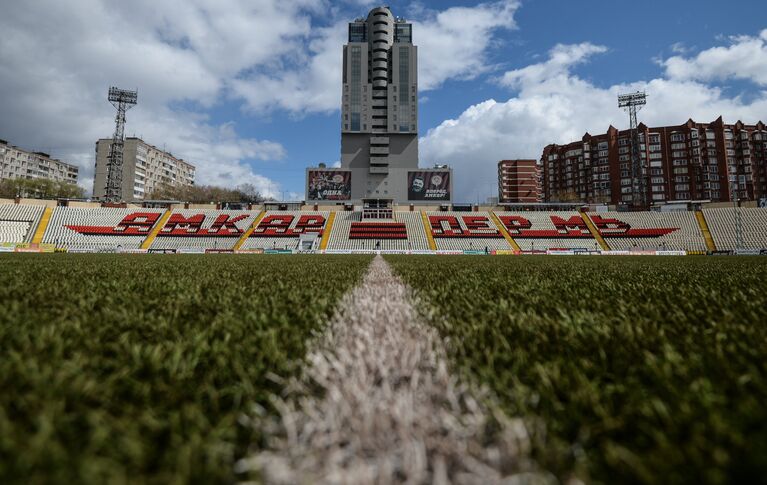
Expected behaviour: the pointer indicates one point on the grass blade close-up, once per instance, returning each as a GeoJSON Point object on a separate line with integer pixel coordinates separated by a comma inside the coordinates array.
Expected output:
{"type": "Point", "coordinates": [129, 369]}
{"type": "Point", "coordinates": [641, 370]}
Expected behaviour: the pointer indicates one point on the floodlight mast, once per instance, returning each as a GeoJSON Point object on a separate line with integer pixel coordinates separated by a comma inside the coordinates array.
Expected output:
{"type": "Point", "coordinates": [632, 103]}
{"type": "Point", "coordinates": [122, 100]}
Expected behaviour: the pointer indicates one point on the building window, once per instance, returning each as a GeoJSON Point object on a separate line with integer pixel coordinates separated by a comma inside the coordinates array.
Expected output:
{"type": "Point", "coordinates": [403, 33]}
{"type": "Point", "coordinates": [357, 33]}
{"type": "Point", "coordinates": [404, 72]}
{"type": "Point", "coordinates": [356, 91]}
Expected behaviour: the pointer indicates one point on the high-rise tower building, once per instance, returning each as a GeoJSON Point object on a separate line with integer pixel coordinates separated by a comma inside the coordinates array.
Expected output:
{"type": "Point", "coordinates": [379, 120]}
{"type": "Point", "coordinates": [379, 113]}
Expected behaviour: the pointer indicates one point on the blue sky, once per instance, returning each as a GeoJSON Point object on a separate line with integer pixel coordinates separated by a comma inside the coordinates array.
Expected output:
{"type": "Point", "coordinates": [248, 90]}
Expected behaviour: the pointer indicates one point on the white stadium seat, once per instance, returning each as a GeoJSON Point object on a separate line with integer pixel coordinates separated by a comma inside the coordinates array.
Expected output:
{"type": "Point", "coordinates": [18, 222]}
{"type": "Point", "coordinates": [58, 233]}
{"type": "Point", "coordinates": [541, 221]}
{"type": "Point", "coordinates": [416, 236]}
{"type": "Point", "coordinates": [166, 241]}
{"type": "Point", "coordinates": [722, 223]}
{"type": "Point", "coordinates": [470, 243]}
{"type": "Point", "coordinates": [283, 242]}
{"type": "Point", "coordinates": [686, 236]}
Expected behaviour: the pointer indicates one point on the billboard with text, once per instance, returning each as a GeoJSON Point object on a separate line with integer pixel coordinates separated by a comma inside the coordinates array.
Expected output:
{"type": "Point", "coordinates": [329, 185]}
{"type": "Point", "coordinates": [428, 185]}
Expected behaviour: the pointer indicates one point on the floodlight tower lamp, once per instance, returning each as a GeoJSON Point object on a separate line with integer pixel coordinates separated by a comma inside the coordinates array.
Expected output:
{"type": "Point", "coordinates": [632, 103]}
{"type": "Point", "coordinates": [122, 100]}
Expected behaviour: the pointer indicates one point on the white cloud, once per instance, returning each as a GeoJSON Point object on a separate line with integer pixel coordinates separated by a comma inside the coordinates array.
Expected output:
{"type": "Point", "coordinates": [215, 149]}
{"type": "Point", "coordinates": [553, 105]}
{"type": "Point", "coordinates": [313, 85]}
{"type": "Point", "coordinates": [452, 44]}
{"type": "Point", "coordinates": [556, 69]}
{"type": "Point", "coordinates": [185, 57]}
{"type": "Point", "coordinates": [58, 58]}
{"type": "Point", "coordinates": [744, 58]}
{"type": "Point", "coordinates": [680, 48]}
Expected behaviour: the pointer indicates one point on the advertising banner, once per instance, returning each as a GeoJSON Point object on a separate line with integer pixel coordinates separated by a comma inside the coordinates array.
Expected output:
{"type": "Point", "coordinates": [330, 185]}
{"type": "Point", "coordinates": [190, 251]}
{"type": "Point", "coordinates": [748, 252]}
{"type": "Point", "coordinates": [428, 185]}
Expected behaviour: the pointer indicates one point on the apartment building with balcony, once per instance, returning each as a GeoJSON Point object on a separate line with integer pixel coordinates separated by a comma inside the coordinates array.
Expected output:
{"type": "Point", "coordinates": [17, 162]}
{"type": "Point", "coordinates": [145, 168]}
{"type": "Point", "coordinates": [694, 161]}
{"type": "Point", "coordinates": [519, 181]}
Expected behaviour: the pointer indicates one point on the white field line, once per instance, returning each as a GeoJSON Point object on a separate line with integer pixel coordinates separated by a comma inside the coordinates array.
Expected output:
{"type": "Point", "coordinates": [389, 410]}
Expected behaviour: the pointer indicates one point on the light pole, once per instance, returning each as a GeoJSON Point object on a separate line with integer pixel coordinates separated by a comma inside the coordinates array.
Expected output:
{"type": "Point", "coordinates": [738, 220]}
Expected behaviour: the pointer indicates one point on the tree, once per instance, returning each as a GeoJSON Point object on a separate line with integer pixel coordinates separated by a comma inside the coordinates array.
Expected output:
{"type": "Point", "coordinates": [206, 194]}
{"type": "Point", "coordinates": [569, 196]}
{"type": "Point", "coordinates": [39, 189]}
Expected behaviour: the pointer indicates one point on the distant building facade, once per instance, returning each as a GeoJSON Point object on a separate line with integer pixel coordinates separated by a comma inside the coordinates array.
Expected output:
{"type": "Point", "coordinates": [145, 168]}
{"type": "Point", "coordinates": [693, 161]}
{"type": "Point", "coordinates": [17, 162]}
{"type": "Point", "coordinates": [379, 121]}
{"type": "Point", "coordinates": [519, 181]}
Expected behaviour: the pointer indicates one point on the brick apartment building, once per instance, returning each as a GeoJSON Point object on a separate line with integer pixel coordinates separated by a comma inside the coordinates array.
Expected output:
{"type": "Point", "coordinates": [519, 181]}
{"type": "Point", "coordinates": [693, 161]}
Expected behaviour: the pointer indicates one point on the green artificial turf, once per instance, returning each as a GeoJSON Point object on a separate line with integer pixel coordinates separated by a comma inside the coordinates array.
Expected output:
{"type": "Point", "coordinates": [643, 370]}
{"type": "Point", "coordinates": [135, 369]}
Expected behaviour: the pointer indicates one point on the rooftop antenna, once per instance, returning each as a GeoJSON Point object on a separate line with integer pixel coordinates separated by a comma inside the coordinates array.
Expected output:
{"type": "Point", "coordinates": [122, 100]}
{"type": "Point", "coordinates": [632, 103]}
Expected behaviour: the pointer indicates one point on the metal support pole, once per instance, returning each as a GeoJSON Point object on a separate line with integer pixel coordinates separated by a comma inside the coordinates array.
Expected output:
{"type": "Point", "coordinates": [122, 100]}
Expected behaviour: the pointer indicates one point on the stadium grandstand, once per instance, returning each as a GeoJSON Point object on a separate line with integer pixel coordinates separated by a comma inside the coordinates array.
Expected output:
{"type": "Point", "coordinates": [93, 228]}
{"type": "Point", "coordinates": [722, 223]}
{"type": "Point", "coordinates": [287, 230]}
{"type": "Point", "coordinates": [18, 221]}
{"type": "Point", "coordinates": [548, 230]}
{"type": "Point", "coordinates": [678, 231]}
{"type": "Point", "coordinates": [100, 228]}
{"type": "Point", "coordinates": [404, 232]}
{"type": "Point", "coordinates": [475, 231]}
{"type": "Point", "coordinates": [203, 229]}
